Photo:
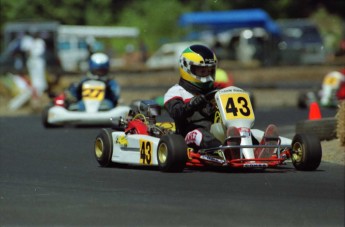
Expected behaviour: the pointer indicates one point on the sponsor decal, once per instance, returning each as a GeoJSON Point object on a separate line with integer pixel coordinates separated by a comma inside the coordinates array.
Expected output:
{"type": "Point", "coordinates": [233, 89]}
{"type": "Point", "coordinates": [211, 159]}
{"type": "Point", "coordinates": [189, 150]}
{"type": "Point", "coordinates": [194, 137]}
{"type": "Point", "coordinates": [122, 140]}
{"type": "Point", "coordinates": [209, 61]}
{"type": "Point", "coordinates": [255, 165]}
{"type": "Point", "coordinates": [217, 117]}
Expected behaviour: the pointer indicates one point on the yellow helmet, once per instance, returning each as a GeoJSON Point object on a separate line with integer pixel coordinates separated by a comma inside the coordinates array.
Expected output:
{"type": "Point", "coordinates": [198, 66]}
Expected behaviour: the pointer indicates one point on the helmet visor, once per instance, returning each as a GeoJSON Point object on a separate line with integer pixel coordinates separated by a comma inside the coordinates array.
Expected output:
{"type": "Point", "coordinates": [100, 72]}
{"type": "Point", "coordinates": [203, 71]}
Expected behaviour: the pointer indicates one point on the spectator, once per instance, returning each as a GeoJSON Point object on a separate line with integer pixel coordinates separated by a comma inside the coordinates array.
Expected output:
{"type": "Point", "coordinates": [35, 48]}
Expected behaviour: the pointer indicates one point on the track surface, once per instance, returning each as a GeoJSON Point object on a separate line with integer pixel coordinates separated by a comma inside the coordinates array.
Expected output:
{"type": "Point", "coordinates": [50, 177]}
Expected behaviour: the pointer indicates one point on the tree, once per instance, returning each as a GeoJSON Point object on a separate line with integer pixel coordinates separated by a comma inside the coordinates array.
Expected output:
{"type": "Point", "coordinates": [157, 20]}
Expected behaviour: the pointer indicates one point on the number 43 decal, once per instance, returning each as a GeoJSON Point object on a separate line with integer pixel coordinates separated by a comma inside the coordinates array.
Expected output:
{"type": "Point", "coordinates": [237, 106]}
{"type": "Point", "coordinates": [145, 152]}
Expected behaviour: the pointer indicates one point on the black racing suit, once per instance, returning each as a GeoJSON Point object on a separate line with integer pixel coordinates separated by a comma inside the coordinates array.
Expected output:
{"type": "Point", "coordinates": [176, 102]}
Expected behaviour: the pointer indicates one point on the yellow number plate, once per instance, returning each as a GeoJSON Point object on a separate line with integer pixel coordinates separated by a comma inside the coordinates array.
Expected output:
{"type": "Point", "coordinates": [331, 81]}
{"type": "Point", "coordinates": [145, 152]}
{"type": "Point", "coordinates": [237, 106]}
{"type": "Point", "coordinates": [93, 93]}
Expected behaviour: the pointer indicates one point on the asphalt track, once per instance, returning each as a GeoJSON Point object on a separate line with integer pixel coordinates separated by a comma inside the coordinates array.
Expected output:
{"type": "Point", "coordinates": [50, 178]}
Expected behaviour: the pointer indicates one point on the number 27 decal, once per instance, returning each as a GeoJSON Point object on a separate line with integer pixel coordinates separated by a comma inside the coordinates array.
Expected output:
{"type": "Point", "coordinates": [93, 93]}
{"type": "Point", "coordinates": [237, 106]}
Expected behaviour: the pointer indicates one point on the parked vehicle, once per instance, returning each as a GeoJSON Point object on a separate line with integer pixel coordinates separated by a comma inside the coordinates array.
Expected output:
{"type": "Point", "coordinates": [167, 56]}
{"type": "Point", "coordinates": [12, 36]}
{"type": "Point", "coordinates": [77, 42]}
{"type": "Point", "coordinates": [67, 46]}
{"type": "Point", "coordinates": [235, 35]}
{"type": "Point", "coordinates": [247, 45]}
{"type": "Point", "coordinates": [301, 42]}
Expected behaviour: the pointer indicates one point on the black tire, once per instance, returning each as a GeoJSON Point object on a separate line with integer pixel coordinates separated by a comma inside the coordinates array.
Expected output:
{"type": "Point", "coordinates": [103, 148]}
{"type": "Point", "coordinates": [172, 153]}
{"type": "Point", "coordinates": [324, 129]}
{"type": "Point", "coordinates": [306, 152]}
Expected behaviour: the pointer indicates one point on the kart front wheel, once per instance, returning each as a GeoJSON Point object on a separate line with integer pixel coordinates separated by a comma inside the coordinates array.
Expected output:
{"type": "Point", "coordinates": [172, 153]}
{"type": "Point", "coordinates": [104, 147]}
{"type": "Point", "coordinates": [306, 152]}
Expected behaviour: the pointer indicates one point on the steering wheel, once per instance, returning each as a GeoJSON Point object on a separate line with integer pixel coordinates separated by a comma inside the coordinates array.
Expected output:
{"type": "Point", "coordinates": [210, 95]}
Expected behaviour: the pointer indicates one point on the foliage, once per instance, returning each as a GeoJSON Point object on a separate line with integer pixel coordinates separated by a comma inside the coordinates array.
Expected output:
{"type": "Point", "coordinates": [330, 27]}
{"type": "Point", "coordinates": [155, 25]}
{"type": "Point", "coordinates": [156, 19]}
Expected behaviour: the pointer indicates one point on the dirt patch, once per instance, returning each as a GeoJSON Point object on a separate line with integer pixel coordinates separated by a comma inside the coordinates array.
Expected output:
{"type": "Point", "coordinates": [332, 151]}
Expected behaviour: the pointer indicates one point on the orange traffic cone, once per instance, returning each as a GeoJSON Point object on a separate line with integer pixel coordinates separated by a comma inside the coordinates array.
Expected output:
{"type": "Point", "coordinates": [314, 111]}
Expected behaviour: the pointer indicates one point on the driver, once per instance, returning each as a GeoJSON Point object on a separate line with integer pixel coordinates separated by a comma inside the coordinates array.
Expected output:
{"type": "Point", "coordinates": [98, 70]}
{"type": "Point", "coordinates": [186, 102]}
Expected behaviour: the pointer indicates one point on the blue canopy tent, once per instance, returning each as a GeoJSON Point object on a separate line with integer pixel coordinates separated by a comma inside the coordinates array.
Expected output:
{"type": "Point", "coordinates": [214, 22]}
{"type": "Point", "coordinates": [224, 20]}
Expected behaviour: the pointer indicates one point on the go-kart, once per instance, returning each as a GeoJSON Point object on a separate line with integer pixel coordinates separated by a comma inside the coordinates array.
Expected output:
{"type": "Point", "coordinates": [95, 109]}
{"type": "Point", "coordinates": [144, 141]}
{"type": "Point", "coordinates": [332, 91]}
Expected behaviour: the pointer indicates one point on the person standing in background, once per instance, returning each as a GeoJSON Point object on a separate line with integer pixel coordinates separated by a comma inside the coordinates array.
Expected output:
{"type": "Point", "coordinates": [36, 64]}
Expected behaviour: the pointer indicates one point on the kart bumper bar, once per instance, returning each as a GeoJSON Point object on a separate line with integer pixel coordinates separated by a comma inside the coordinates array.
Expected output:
{"type": "Point", "coordinates": [277, 158]}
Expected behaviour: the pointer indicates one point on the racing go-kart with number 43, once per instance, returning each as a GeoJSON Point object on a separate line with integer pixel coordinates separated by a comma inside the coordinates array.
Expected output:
{"type": "Point", "coordinates": [144, 141]}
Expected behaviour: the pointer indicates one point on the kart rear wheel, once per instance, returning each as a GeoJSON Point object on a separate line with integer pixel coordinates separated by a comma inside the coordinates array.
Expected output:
{"type": "Point", "coordinates": [104, 147]}
{"type": "Point", "coordinates": [306, 152]}
{"type": "Point", "coordinates": [172, 153]}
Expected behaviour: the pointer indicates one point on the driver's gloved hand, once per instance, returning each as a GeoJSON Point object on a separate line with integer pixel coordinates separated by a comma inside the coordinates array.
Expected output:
{"type": "Point", "coordinates": [198, 102]}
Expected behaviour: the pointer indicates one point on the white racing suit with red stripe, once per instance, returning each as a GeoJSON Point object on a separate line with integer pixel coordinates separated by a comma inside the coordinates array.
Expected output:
{"type": "Point", "coordinates": [192, 124]}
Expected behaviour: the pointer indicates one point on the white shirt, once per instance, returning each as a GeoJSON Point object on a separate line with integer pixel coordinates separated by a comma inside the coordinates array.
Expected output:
{"type": "Point", "coordinates": [177, 92]}
{"type": "Point", "coordinates": [37, 48]}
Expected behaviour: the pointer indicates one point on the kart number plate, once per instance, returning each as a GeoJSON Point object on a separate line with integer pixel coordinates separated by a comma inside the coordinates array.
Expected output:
{"type": "Point", "coordinates": [145, 152]}
{"type": "Point", "coordinates": [237, 106]}
{"type": "Point", "coordinates": [93, 93]}
{"type": "Point", "coordinates": [255, 165]}
{"type": "Point", "coordinates": [331, 81]}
